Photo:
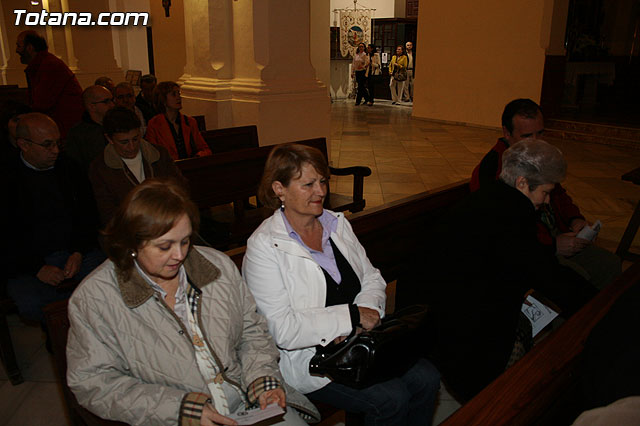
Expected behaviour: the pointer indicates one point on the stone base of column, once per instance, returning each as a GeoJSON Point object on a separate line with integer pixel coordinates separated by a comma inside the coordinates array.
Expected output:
{"type": "Point", "coordinates": [283, 113]}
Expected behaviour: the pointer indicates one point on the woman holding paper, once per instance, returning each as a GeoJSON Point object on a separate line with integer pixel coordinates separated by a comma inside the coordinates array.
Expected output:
{"type": "Point", "coordinates": [479, 263]}
{"type": "Point", "coordinates": [165, 332]}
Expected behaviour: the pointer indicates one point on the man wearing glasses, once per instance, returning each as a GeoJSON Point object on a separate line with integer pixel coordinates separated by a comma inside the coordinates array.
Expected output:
{"type": "Point", "coordinates": [124, 97]}
{"type": "Point", "coordinates": [51, 218]}
{"type": "Point", "coordinates": [86, 139]}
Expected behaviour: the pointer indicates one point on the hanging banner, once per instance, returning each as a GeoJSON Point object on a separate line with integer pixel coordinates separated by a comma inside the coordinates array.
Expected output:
{"type": "Point", "coordinates": [355, 28]}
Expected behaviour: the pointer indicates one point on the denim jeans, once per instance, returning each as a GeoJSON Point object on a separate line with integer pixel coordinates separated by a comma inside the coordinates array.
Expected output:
{"type": "Point", "coordinates": [31, 295]}
{"type": "Point", "coordinates": [404, 401]}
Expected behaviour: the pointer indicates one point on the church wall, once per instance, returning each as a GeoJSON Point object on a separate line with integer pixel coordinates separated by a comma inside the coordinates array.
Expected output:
{"type": "Point", "coordinates": [472, 59]}
{"type": "Point", "coordinates": [168, 40]}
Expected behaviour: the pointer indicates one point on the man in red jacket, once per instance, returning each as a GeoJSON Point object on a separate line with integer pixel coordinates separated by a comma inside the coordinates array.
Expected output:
{"type": "Point", "coordinates": [560, 220]}
{"type": "Point", "coordinates": [53, 88]}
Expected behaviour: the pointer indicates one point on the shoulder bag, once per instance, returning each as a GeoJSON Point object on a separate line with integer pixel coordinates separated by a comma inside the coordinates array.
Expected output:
{"type": "Point", "coordinates": [374, 356]}
{"type": "Point", "coordinates": [400, 74]}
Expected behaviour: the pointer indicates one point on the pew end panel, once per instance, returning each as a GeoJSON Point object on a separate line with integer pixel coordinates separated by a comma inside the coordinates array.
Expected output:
{"type": "Point", "coordinates": [57, 321]}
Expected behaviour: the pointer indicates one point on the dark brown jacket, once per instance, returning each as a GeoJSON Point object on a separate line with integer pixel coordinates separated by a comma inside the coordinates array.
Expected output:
{"type": "Point", "coordinates": [112, 180]}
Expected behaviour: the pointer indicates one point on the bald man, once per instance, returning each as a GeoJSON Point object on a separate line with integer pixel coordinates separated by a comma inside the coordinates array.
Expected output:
{"type": "Point", "coordinates": [53, 88]}
{"type": "Point", "coordinates": [86, 139]}
{"type": "Point", "coordinates": [51, 222]}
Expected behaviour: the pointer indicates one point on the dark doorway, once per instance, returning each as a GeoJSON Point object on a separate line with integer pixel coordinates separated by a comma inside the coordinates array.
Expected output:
{"type": "Point", "coordinates": [598, 80]}
{"type": "Point", "coordinates": [388, 33]}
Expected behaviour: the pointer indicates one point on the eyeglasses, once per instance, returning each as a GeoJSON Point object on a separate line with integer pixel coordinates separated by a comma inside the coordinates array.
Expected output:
{"type": "Point", "coordinates": [104, 101]}
{"type": "Point", "coordinates": [48, 144]}
{"type": "Point", "coordinates": [125, 96]}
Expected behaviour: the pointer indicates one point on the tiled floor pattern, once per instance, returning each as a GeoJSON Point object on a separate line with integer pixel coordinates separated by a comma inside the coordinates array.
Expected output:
{"type": "Point", "coordinates": [406, 156]}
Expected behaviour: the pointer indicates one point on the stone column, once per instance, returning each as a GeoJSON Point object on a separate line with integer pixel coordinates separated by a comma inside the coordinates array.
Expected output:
{"type": "Point", "coordinates": [92, 46]}
{"type": "Point", "coordinates": [88, 51]}
{"type": "Point", "coordinates": [249, 63]}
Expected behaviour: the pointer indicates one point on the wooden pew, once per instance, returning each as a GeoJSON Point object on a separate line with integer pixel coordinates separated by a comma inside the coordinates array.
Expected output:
{"type": "Point", "coordinates": [232, 177]}
{"type": "Point", "coordinates": [533, 391]}
{"type": "Point", "coordinates": [14, 93]}
{"type": "Point", "coordinates": [379, 229]}
{"type": "Point", "coordinates": [389, 234]}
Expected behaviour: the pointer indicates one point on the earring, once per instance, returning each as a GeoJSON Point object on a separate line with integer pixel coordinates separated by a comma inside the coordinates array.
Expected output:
{"type": "Point", "coordinates": [282, 205]}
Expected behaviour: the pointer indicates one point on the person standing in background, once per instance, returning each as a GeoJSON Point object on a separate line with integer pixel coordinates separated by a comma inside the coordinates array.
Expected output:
{"type": "Point", "coordinates": [373, 70]}
{"type": "Point", "coordinates": [359, 69]}
{"type": "Point", "coordinates": [407, 95]}
{"type": "Point", "coordinates": [53, 88]}
{"type": "Point", "coordinates": [398, 63]}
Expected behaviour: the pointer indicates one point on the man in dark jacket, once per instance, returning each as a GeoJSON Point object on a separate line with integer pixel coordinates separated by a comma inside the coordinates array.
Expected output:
{"type": "Point", "coordinates": [144, 100]}
{"type": "Point", "coordinates": [86, 139]}
{"type": "Point", "coordinates": [52, 217]}
{"type": "Point", "coordinates": [53, 88]}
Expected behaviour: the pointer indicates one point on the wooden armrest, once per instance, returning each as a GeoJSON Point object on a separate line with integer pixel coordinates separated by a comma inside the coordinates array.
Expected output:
{"type": "Point", "coordinates": [359, 173]}
{"type": "Point", "coordinates": [354, 170]}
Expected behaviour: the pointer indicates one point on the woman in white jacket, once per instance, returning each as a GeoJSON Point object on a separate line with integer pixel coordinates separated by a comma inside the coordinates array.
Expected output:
{"type": "Point", "coordinates": [313, 282]}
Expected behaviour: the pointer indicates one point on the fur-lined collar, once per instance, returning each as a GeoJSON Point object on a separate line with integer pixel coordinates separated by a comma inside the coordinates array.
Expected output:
{"type": "Point", "coordinates": [135, 291]}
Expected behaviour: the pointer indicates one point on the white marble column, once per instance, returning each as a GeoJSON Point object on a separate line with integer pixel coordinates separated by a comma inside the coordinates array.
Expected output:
{"type": "Point", "coordinates": [249, 63]}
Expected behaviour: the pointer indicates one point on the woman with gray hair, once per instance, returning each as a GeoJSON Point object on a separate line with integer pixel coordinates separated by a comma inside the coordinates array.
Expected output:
{"type": "Point", "coordinates": [533, 167]}
{"type": "Point", "coordinates": [479, 263]}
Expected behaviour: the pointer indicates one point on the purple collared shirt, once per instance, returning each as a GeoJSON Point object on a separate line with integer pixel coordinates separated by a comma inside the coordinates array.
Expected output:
{"type": "Point", "coordinates": [324, 258]}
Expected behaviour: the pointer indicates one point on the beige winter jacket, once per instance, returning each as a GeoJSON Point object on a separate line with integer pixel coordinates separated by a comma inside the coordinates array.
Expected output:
{"type": "Point", "coordinates": [131, 359]}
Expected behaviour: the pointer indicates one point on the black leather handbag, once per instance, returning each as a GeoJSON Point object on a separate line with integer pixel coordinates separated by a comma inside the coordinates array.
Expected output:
{"type": "Point", "coordinates": [374, 356]}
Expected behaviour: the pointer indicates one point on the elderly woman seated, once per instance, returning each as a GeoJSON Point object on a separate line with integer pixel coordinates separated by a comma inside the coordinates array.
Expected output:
{"type": "Point", "coordinates": [314, 283]}
{"type": "Point", "coordinates": [165, 332]}
{"type": "Point", "coordinates": [481, 260]}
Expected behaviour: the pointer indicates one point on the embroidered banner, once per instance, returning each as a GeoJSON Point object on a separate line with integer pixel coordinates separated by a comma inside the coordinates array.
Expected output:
{"type": "Point", "coordinates": [355, 28]}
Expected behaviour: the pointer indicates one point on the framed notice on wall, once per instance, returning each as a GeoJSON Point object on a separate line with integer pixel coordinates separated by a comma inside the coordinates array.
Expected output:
{"type": "Point", "coordinates": [133, 77]}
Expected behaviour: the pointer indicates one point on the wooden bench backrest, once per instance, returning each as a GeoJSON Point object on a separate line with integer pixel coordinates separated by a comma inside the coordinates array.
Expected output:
{"type": "Point", "coordinates": [390, 233]}
{"type": "Point", "coordinates": [229, 176]}
{"type": "Point", "coordinates": [14, 93]}
{"type": "Point", "coordinates": [231, 138]}
{"type": "Point", "coordinates": [523, 394]}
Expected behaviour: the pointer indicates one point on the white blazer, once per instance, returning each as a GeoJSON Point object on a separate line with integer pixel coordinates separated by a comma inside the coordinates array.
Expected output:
{"type": "Point", "coordinates": [290, 291]}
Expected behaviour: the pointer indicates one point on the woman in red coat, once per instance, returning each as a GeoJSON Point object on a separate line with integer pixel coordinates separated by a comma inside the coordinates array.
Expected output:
{"type": "Point", "coordinates": [176, 132]}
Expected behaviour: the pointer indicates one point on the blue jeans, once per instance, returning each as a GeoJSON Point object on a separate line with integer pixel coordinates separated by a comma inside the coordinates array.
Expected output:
{"type": "Point", "coordinates": [31, 295]}
{"type": "Point", "coordinates": [407, 400]}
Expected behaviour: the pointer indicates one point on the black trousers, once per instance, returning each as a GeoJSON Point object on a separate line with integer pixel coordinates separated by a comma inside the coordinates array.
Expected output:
{"type": "Point", "coordinates": [361, 80]}
{"type": "Point", "coordinates": [371, 86]}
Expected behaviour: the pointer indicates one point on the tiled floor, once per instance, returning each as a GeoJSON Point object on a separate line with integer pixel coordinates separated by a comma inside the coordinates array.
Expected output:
{"type": "Point", "coordinates": [406, 156]}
